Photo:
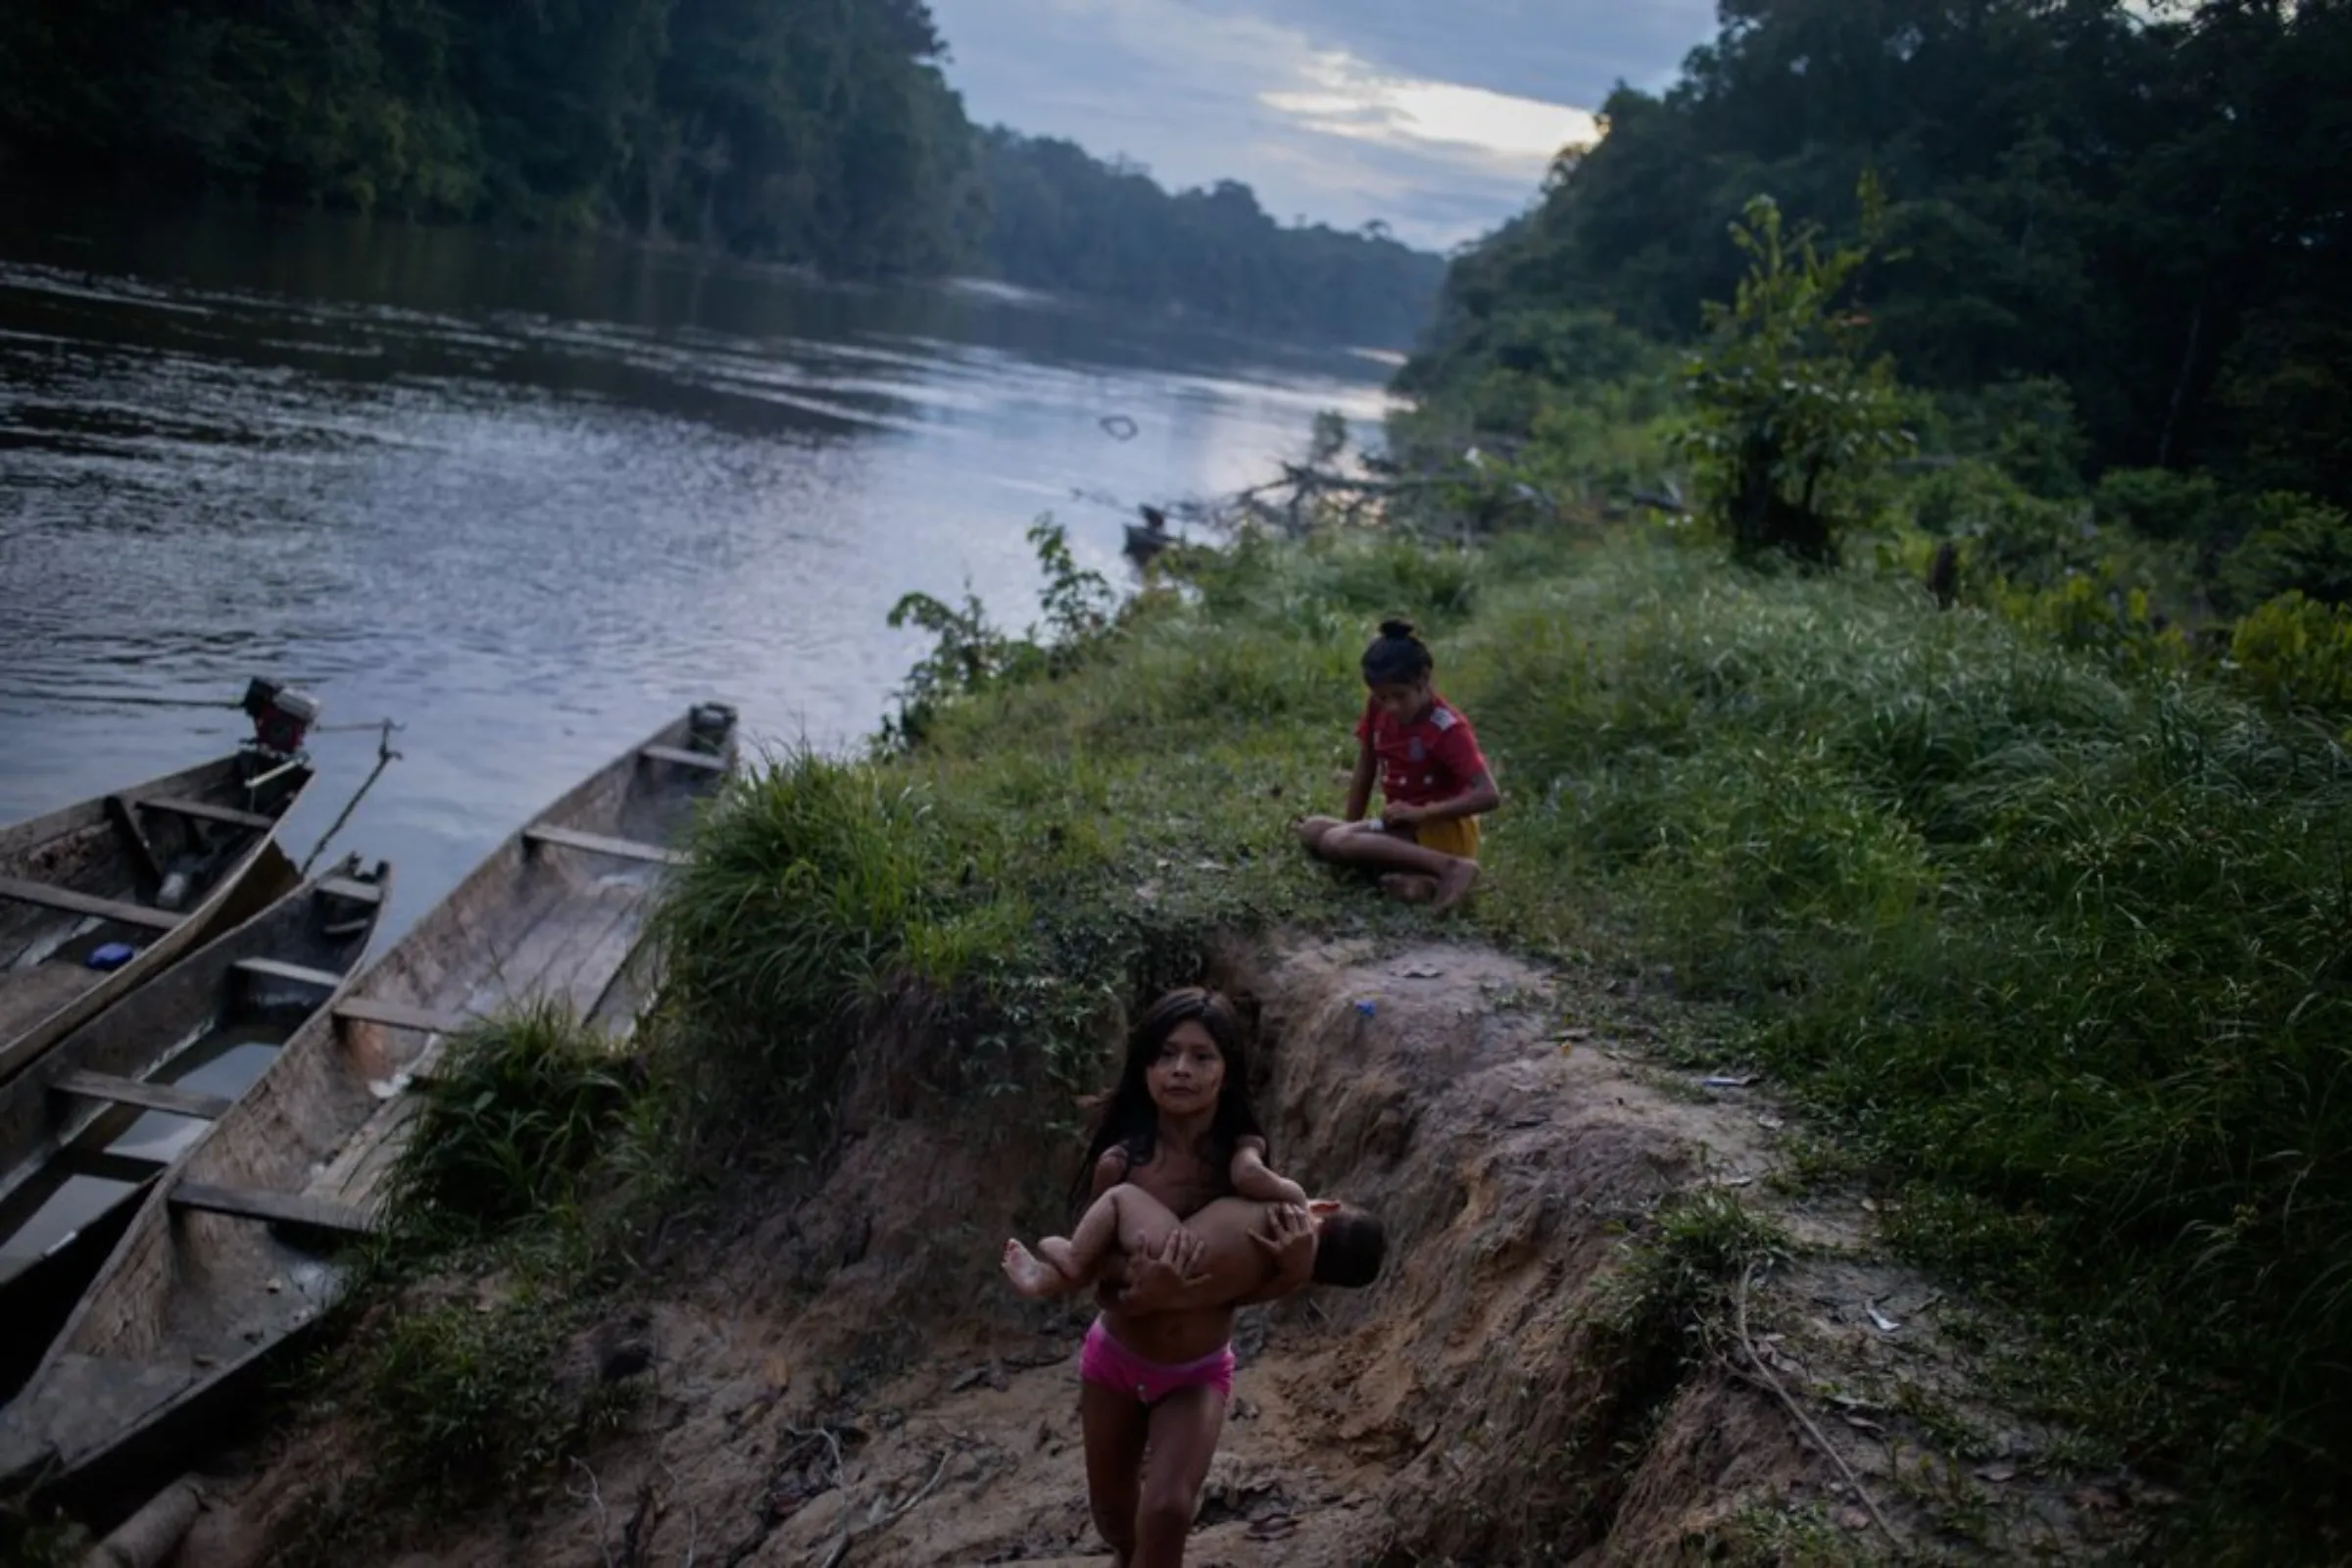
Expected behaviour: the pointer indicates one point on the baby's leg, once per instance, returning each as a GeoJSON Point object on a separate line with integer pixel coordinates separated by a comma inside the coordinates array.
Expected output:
{"type": "Point", "coordinates": [1126, 1217]}
{"type": "Point", "coordinates": [1032, 1275]}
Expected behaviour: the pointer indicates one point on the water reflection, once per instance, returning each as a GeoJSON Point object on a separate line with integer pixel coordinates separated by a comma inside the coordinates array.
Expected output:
{"type": "Point", "coordinates": [530, 498]}
{"type": "Point", "coordinates": [125, 1146]}
{"type": "Point", "coordinates": [226, 1065]}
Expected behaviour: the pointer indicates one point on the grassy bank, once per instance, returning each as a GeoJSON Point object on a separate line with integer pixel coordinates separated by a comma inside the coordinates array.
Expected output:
{"type": "Point", "coordinates": [2056, 951]}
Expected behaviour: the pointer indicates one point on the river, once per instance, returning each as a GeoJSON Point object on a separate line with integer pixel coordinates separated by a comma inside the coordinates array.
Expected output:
{"type": "Point", "coordinates": [528, 498]}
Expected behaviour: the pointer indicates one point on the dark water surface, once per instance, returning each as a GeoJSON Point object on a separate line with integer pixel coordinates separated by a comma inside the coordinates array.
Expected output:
{"type": "Point", "coordinates": [530, 498]}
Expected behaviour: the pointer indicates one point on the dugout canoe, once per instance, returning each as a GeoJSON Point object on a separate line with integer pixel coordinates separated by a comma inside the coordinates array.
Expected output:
{"type": "Point", "coordinates": [86, 1130]}
{"type": "Point", "coordinates": [97, 899]}
{"type": "Point", "coordinates": [233, 1254]}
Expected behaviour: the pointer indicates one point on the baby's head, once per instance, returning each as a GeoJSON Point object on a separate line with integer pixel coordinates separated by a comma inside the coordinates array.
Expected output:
{"type": "Point", "coordinates": [1350, 1243]}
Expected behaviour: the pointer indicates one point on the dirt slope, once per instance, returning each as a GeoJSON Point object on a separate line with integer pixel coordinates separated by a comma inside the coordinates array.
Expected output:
{"type": "Point", "coordinates": [844, 1378]}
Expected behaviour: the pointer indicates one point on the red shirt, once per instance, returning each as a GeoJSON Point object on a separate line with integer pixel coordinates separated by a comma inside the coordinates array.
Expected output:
{"type": "Point", "coordinates": [1433, 758]}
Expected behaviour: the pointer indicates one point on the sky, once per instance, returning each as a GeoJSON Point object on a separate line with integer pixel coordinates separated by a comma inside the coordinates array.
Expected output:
{"type": "Point", "coordinates": [1435, 117]}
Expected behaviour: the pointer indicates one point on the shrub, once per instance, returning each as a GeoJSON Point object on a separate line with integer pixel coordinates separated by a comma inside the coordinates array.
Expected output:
{"type": "Point", "coordinates": [1786, 412]}
{"type": "Point", "coordinates": [2159, 503]}
{"type": "Point", "coordinates": [519, 1109]}
{"type": "Point", "coordinates": [459, 1398]}
{"type": "Point", "coordinates": [2297, 653]}
{"type": "Point", "coordinates": [2298, 544]}
{"type": "Point", "coordinates": [970, 654]}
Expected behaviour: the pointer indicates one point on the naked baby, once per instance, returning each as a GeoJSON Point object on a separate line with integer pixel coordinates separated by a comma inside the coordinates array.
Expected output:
{"type": "Point", "coordinates": [1232, 1240]}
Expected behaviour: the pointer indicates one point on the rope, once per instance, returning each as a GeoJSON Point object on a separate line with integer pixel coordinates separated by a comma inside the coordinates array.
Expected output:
{"type": "Point", "coordinates": [135, 702]}
{"type": "Point", "coordinates": [385, 756]}
{"type": "Point", "coordinates": [233, 706]}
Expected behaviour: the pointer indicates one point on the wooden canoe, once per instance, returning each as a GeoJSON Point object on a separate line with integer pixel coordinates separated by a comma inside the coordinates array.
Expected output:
{"type": "Point", "coordinates": [101, 874]}
{"type": "Point", "coordinates": [231, 1255]}
{"type": "Point", "coordinates": [86, 1130]}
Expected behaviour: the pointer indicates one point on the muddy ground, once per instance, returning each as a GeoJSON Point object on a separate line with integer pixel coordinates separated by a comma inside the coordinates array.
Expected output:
{"type": "Point", "coordinates": [841, 1376]}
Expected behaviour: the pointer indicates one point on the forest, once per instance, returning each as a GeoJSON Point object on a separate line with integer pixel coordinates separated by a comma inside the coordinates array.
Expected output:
{"type": "Point", "coordinates": [2121, 239]}
{"type": "Point", "coordinates": [1947, 409]}
{"type": "Point", "coordinates": [814, 132]}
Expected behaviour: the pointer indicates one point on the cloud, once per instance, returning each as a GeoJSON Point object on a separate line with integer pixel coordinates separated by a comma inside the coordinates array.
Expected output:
{"type": "Point", "coordinates": [1348, 98]}
{"type": "Point", "coordinates": [1554, 51]}
{"type": "Point", "coordinates": [1436, 120]}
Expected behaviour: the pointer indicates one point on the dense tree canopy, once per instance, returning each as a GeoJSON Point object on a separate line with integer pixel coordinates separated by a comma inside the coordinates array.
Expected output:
{"type": "Point", "coordinates": [814, 131]}
{"type": "Point", "coordinates": [2148, 213]}
{"type": "Point", "coordinates": [1062, 220]}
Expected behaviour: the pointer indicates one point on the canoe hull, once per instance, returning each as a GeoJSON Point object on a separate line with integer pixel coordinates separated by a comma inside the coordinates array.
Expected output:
{"type": "Point", "coordinates": [183, 1034]}
{"type": "Point", "coordinates": [86, 848]}
{"type": "Point", "coordinates": [180, 1320]}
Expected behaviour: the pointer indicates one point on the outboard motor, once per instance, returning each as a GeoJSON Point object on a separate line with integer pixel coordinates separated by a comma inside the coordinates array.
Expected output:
{"type": "Point", "coordinates": [281, 717]}
{"type": "Point", "coordinates": [709, 726]}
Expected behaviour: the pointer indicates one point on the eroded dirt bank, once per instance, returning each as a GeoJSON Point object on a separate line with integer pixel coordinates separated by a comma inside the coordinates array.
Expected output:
{"type": "Point", "coordinates": [844, 1377]}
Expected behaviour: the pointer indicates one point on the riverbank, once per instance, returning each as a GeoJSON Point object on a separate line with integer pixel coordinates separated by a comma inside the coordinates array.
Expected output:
{"type": "Point", "coordinates": [1935, 893]}
{"type": "Point", "coordinates": [1602, 1271]}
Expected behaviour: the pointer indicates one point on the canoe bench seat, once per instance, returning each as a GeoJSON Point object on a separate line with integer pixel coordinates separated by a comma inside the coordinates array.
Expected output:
{"type": "Point", "coordinates": [400, 1016]}
{"type": "Point", "coordinates": [292, 973]}
{"type": "Point", "coordinates": [344, 887]}
{"type": "Point", "coordinates": [600, 843]}
{"type": "Point", "coordinates": [19, 890]}
{"type": "Point", "coordinates": [276, 1208]}
{"type": "Point", "coordinates": [206, 812]}
{"type": "Point", "coordinates": [709, 762]}
{"type": "Point", "coordinates": [117, 1091]}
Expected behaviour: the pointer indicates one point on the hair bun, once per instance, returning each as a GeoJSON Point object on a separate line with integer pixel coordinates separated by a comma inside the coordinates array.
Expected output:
{"type": "Point", "coordinates": [1397, 628]}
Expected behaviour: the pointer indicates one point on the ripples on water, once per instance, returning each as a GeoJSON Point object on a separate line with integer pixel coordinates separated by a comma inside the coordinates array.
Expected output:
{"type": "Point", "coordinates": [529, 500]}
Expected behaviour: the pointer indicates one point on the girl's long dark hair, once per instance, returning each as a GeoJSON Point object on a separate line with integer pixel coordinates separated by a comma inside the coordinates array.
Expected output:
{"type": "Point", "coordinates": [1131, 1121]}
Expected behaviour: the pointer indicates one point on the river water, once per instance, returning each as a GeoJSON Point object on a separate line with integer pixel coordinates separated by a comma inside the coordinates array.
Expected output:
{"type": "Point", "coordinates": [530, 498]}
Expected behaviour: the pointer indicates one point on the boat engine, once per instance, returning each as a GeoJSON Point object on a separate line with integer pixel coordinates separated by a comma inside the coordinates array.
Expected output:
{"type": "Point", "coordinates": [281, 715]}
{"type": "Point", "coordinates": [709, 724]}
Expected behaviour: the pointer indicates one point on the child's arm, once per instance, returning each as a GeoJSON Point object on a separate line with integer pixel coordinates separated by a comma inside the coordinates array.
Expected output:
{"type": "Point", "coordinates": [1252, 1179]}
{"type": "Point", "coordinates": [1457, 753]}
{"type": "Point", "coordinates": [1479, 798]}
{"type": "Point", "coordinates": [1289, 1243]}
{"type": "Point", "coordinates": [1109, 1171]}
{"type": "Point", "coordinates": [1360, 787]}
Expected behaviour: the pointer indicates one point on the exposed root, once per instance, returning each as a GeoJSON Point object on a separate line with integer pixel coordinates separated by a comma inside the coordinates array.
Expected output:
{"type": "Point", "coordinates": [848, 1535]}
{"type": "Point", "coordinates": [595, 1497]}
{"type": "Point", "coordinates": [1757, 1371]}
{"type": "Point", "coordinates": [841, 1482]}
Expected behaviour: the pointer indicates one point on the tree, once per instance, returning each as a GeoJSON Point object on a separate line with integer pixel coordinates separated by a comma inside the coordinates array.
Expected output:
{"type": "Point", "coordinates": [1784, 406]}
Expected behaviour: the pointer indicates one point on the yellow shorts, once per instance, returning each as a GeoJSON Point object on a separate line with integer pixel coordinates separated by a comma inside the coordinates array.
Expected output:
{"type": "Point", "coordinates": [1457, 836]}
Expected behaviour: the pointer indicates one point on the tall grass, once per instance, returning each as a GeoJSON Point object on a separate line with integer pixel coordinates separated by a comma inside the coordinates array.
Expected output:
{"type": "Point", "coordinates": [2069, 946]}
{"type": "Point", "coordinates": [1055, 849]}
{"type": "Point", "coordinates": [521, 1109]}
{"type": "Point", "coordinates": [2060, 950]}
{"type": "Point", "coordinates": [504, 1232]}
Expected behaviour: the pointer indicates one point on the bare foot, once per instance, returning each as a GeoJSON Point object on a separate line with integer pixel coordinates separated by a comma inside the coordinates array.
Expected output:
{"type": "Point", "coordinates": [1057, 1250]}
{"type": "Point", "coordinates": [1310, 830]}
{"type": "Point", "coordinates": [1454, 885]}
{"type": "Point", "coordinates": [1032, 1278]}
{"type": "Point", "coordinates": [1406, 887]}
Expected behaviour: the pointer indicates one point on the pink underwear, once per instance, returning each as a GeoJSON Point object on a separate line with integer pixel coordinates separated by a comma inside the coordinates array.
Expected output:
{"type": "Point", "coordinates": [1106, 1361]}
